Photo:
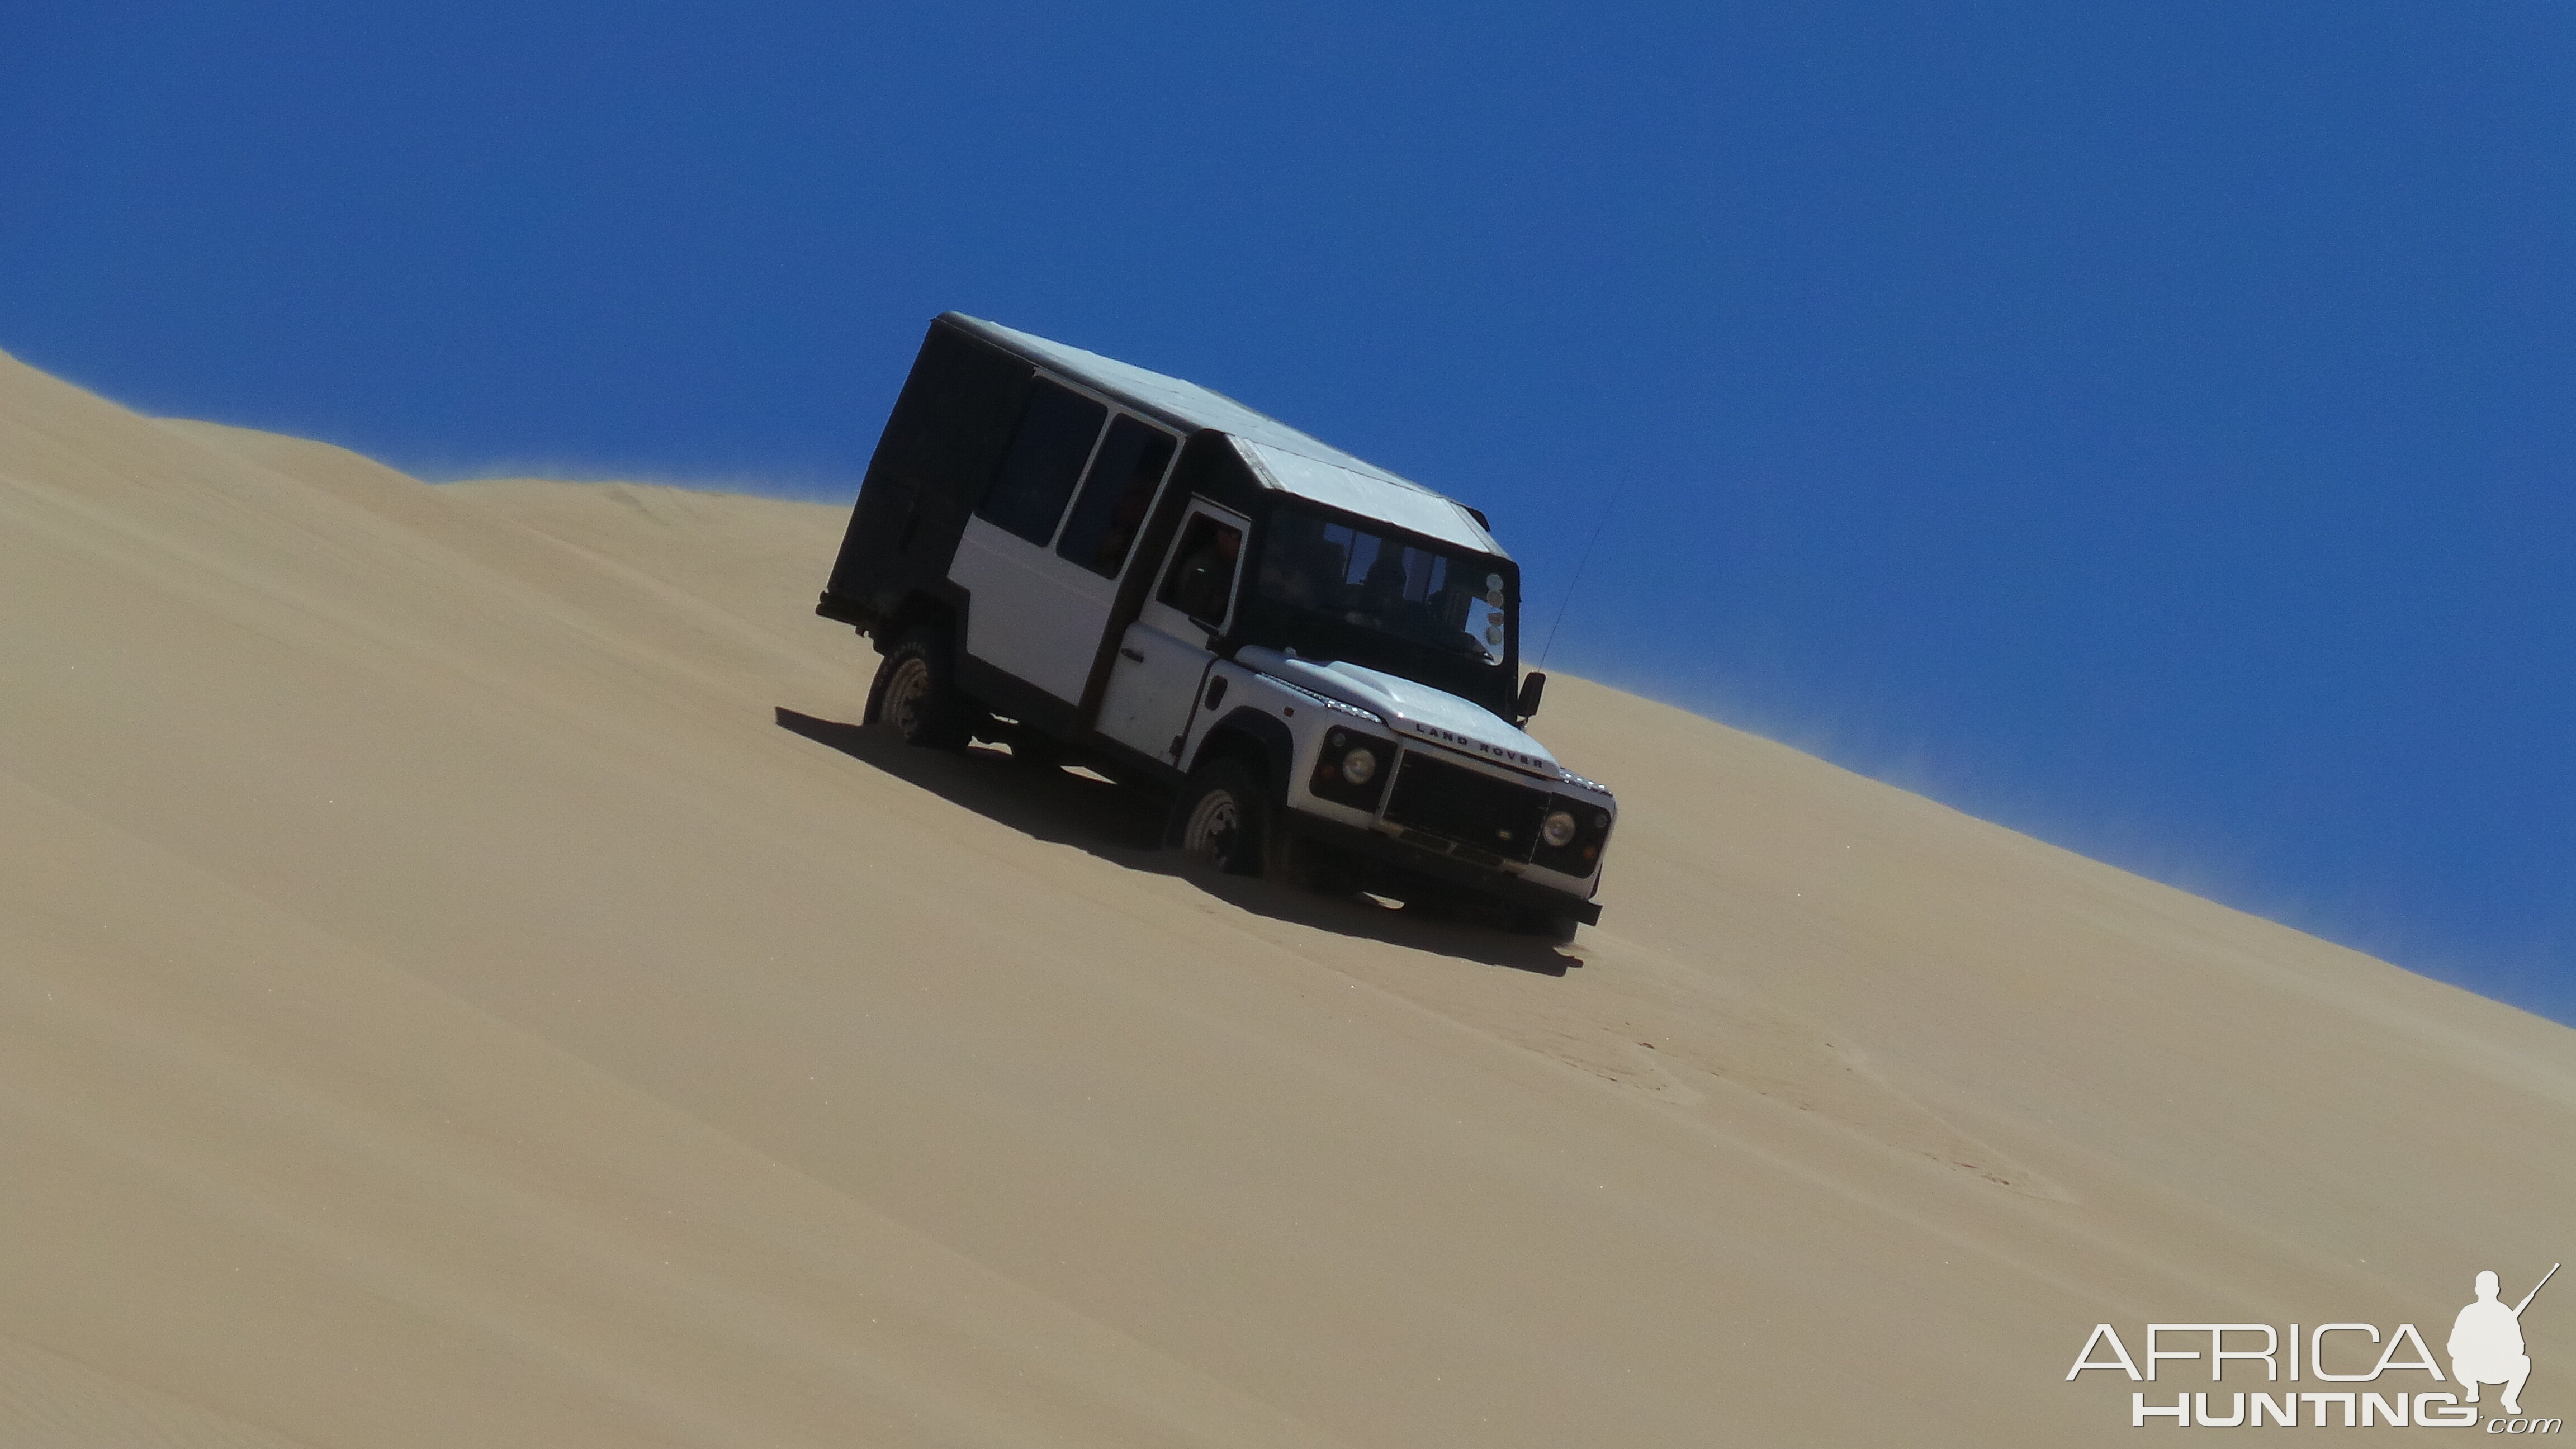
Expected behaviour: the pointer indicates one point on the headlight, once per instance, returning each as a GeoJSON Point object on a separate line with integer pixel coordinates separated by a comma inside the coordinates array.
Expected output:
{"type": "Point", "coordinates": [1558, 829]}
{"type": "Point", "coordinates": [1352, 769]}
{"type": "Point", "coordinates": [1359, 766]}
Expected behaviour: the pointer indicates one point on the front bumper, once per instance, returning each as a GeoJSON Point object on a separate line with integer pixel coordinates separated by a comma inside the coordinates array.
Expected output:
{"type": "Point", "coordinates": [1439, 864]}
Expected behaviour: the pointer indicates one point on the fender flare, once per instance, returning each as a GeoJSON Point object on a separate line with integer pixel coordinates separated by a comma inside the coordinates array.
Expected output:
{"type": "Point", "coordinates": [1265, 739]}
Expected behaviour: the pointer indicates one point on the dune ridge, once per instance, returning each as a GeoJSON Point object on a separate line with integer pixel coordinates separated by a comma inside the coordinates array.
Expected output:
{"type": "Point", "coordinates": [469, 981]}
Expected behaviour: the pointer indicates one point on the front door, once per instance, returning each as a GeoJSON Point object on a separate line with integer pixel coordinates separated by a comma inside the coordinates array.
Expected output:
{"type": "Point", "coordinates": [1154, 683]}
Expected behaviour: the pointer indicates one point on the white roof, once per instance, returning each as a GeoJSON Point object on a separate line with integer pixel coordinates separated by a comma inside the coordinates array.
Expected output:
{"type": "Point", "coordinates": [1281, 457]}
{"type": "Point", "coordinates": [1418, 510]}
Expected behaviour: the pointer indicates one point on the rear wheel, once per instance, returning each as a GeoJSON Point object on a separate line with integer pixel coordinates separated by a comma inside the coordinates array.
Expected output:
{"type": "Point", "coordinates": [916, 692]}
{"type": "Point", "coordinates": [1224, 819]}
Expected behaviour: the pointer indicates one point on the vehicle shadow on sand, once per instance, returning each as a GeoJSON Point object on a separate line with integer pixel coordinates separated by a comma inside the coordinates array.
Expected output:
{"type": "Point", "coordinates": [1125, 826]}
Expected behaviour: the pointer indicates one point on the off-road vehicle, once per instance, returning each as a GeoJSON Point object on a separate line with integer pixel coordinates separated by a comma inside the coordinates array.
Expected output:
{"type": "Point", "coordinates": [1317, 659]}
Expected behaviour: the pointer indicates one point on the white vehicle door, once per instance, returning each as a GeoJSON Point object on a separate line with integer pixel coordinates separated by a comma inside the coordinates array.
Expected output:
{"type": "Point", "coordinates": [1154, 682]}
{"type": "Point", "coordinates": [1043, 553]}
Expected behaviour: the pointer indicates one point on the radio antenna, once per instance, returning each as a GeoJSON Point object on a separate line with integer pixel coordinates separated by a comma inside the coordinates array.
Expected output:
{"type": "Point", "coordinates": [1586, 562]}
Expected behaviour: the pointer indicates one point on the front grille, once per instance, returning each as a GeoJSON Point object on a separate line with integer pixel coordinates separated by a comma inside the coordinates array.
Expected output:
{"type": "Point", "coordinates": [1466, 806]}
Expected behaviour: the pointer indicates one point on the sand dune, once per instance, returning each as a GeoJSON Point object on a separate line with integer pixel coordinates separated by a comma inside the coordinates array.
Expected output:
{"type": "Point", "coordinates": [468, 982]}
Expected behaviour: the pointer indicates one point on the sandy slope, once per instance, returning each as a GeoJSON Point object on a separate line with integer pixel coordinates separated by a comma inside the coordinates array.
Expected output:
{"type": "Point", "coordinates": [463, 981]}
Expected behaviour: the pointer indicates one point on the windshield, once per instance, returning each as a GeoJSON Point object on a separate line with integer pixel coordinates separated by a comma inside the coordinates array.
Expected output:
{"type": "Point", "coordinates": [1343, 591]}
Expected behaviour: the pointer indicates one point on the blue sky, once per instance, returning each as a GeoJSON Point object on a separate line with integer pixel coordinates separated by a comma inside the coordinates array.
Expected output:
{"type": "Point", "coordinates": [2148, 427]}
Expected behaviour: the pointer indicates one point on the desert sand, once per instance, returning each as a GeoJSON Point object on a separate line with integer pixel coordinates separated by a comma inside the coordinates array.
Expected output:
{"type": "Point", "coordinates": [466, 980]}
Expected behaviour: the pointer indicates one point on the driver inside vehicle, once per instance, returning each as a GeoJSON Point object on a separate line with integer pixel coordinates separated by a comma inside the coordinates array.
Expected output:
{"type": "Point", "coordinates": [1381, 596]}
{"type": "Point", "coordinates": [1383, 585]}
{"type": "Point", "coordinates": [1200, 582]}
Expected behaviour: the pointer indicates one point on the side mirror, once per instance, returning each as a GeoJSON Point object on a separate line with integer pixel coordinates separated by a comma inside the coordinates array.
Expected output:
{"type": "Point", "coordinates": [1533, 685]}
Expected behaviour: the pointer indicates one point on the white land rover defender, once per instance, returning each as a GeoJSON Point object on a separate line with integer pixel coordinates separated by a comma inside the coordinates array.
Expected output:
{"type": "Point", "coordinates": [1319, 659]}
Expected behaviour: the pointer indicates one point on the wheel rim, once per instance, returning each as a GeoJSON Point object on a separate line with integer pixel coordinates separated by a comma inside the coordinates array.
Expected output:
{"type": "Point", "coordinates": [904, 695]}
{"type": "Point", "coordinates": [1214, 822]}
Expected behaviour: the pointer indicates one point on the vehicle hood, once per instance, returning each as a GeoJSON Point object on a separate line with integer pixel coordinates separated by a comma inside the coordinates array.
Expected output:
{"type": "Point", "coordinates": [1412, 708]}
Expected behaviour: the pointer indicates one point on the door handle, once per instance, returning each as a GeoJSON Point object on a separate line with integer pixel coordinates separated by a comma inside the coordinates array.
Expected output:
{"type": "Point", "coordinates": [1132, 654]}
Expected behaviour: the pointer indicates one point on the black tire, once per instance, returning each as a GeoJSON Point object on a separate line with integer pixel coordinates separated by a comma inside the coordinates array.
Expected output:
{"type": "Point", "coordinates": [915, 692]}
{"type": "Point", "coordinates": [1224, 819]}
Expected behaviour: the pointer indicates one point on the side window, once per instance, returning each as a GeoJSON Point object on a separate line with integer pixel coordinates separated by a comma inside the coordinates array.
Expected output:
{"type": "Point", "coordinates": [1202, 576]}
{"type": "Point", "coordinates": [1056, 431]}
{"type": "Point", "coordinates": [1123, 480]}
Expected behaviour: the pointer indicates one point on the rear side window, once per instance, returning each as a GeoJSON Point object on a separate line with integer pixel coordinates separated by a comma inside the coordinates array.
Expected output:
{"type": "Point", "coordinates": [1202, 576]}
{"type": "Point", "coordinates": [1056, 431]}
{"type": "Point", "coordinates": [1123, 480]}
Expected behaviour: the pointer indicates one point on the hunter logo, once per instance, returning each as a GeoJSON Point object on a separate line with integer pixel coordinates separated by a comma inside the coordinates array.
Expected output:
{"type": "Point", "coordinates": [2485, 1348]}
{"type": "Point", "coordinates": [2486, 1342]}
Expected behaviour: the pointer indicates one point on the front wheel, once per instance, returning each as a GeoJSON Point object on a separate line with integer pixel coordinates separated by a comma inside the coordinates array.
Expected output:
{"type": "Point", "coordinates": [1224, 819]}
